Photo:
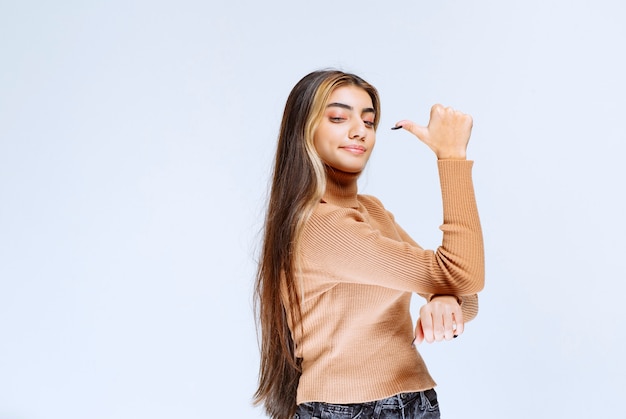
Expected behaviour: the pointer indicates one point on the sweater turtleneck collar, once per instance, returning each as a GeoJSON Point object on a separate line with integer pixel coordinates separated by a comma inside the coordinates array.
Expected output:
{"type": "Point", "coordinates": [341, 188]}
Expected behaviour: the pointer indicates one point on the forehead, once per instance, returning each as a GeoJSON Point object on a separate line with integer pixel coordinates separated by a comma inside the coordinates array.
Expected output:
{"type": "Point", "coordinates": [353, 96]}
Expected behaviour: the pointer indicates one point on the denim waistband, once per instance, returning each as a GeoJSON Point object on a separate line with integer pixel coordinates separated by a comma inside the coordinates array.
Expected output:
{"type": "Point", "coordinates": [399, 402]}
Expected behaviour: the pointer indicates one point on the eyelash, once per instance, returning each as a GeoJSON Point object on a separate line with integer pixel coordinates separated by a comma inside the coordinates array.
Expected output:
{"type": "Point", "coordinates": [369, 124]}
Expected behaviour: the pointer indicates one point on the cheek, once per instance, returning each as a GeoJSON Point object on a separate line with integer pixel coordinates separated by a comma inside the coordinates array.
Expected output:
{"type": "Point", "coordinates": [317, 141]}
{"type": "Point", "coordinates": [321, 138]}
{"type": "Point", "coordinates": [370, 147]}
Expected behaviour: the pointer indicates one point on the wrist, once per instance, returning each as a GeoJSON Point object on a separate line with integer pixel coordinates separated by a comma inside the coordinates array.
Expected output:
{"type": "Point", "coordinates": [451, 156]}
{"type": "Point", "coordinates": [458, 299]}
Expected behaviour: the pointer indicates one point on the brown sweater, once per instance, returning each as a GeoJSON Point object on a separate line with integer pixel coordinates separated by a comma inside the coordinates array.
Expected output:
{"type": "Point", "coordinates": [358, 272]}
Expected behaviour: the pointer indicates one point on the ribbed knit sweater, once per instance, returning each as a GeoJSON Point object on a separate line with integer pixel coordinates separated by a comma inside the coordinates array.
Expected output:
{"type": "Point", "coordinates": [358, 271]}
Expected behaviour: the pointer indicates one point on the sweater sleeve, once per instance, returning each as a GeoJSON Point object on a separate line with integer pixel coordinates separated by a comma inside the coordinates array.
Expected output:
{"type": "Point", "coordinates": [340, 245]}
{"type": "Point", "coordinates": [469, 303]}
{"type": "Point", "coordinates": [469, 306]}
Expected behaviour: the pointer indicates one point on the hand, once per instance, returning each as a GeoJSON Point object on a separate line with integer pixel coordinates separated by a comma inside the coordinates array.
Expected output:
{"type": "Point", "coordinates": [439, 319]}
{"type": "Point", "coordinates": [447, 133]}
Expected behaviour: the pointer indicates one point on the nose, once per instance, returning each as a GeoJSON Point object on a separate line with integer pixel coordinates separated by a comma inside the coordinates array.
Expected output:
{"type": "Point", "coordinates": [357, 130]}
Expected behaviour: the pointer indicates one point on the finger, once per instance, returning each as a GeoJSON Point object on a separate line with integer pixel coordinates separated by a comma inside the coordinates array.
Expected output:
{"type": "Point", "coordinates": [453, 320]}
{"type": "Point", "coordinates": [459, 323]}
{"type": "Point", "coordinates": [415, 129]}
{"type": "Point", "coordinates": [437, 110]}
{"type": "Point", "coordinates": [419, 333]}
{"type": "Point", "coordinates": [439, 327]}
{"type": "Point", "coordinates": [446, 115]}
{"type": "Point", "coordinates": [427, 327]}
{"type": "Point", "coordinates": [449, 326]}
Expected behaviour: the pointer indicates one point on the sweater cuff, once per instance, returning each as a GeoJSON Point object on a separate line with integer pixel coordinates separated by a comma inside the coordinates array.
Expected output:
{"type": "Point", "coordinates": [453, 164]}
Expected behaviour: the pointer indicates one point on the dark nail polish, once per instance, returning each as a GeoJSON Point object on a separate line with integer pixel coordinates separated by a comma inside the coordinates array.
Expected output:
{"type": "Point", "coordinates": [398, 127]}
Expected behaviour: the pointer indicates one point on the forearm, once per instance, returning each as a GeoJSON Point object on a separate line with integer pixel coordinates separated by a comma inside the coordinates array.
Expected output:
{"type": "Point", "coordinates": [461, 254]}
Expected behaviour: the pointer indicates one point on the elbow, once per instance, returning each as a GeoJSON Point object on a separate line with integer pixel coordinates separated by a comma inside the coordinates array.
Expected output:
{"type": "Point", "coordinates": [474, 271]}
{"type": "Point", "coordinates": [474, 279]}
{"type": "Point", "coordinates": [469, 284]}
{"type": "Point", "coordinates": [464, 278]}
{"type": "Point", "coordinates": [477, 284]}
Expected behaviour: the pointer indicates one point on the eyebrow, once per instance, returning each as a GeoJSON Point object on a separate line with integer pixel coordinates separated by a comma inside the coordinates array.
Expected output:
{"type": "Point", "coordinates": [350, 108]}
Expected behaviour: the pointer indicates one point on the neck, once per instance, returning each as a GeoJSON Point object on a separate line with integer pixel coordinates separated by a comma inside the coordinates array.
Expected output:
{"type": "Point", "coordinates": [341, 188]}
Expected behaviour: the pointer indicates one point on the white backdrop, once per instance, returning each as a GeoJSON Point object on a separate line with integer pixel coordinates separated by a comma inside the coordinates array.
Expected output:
{"type": "Point", "coordinates": [136, 140]}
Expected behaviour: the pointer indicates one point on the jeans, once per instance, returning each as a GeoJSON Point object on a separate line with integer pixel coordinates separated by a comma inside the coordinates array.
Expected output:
{"type": "Point", "coordinates": [422, 405]}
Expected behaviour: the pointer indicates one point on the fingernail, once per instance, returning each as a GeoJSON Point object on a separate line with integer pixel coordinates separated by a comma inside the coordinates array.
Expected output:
{"type": "Point", "coordinates": [413, 342]}
{"type": "Point", "coordinates": [397, 127]}
{"type": "Point", "coordinates": [455, 336]}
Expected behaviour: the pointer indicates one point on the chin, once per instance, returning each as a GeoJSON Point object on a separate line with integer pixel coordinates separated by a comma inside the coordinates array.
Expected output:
{"type": "Point", "coordinates": [352, 170]}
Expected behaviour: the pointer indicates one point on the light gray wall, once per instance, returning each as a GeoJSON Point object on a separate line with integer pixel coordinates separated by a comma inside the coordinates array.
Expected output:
{"type": "Point", "coordinates": [136, 140]}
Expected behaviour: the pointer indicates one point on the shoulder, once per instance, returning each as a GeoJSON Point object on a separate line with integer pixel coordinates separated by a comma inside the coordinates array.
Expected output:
{"type": "Point", "coordinates": [370, 201]}
{"type": "Point", "coordinates": [327, 213]}
{"type": "Point", "coordinates": [375, 208]}
{"type": "Point", "coordinates": [367, 205]}
{"type": "Point", "coordinates": [328, 217]}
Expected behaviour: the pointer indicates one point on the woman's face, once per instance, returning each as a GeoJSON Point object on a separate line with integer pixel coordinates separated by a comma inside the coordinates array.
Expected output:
{"type": "Point", "coordinates": [345, 137]}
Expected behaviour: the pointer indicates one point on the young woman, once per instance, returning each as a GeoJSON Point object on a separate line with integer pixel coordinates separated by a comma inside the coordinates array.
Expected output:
{"type": "Point", "coordinates": [337, 273]}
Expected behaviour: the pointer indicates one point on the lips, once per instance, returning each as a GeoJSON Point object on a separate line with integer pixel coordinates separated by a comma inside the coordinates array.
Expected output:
{"type": "Point", "coordinates": [356, 149]}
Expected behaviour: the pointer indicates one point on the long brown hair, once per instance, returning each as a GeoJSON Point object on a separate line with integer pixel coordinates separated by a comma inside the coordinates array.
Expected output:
{"type": "Point", "coordinates": [298, 183]}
